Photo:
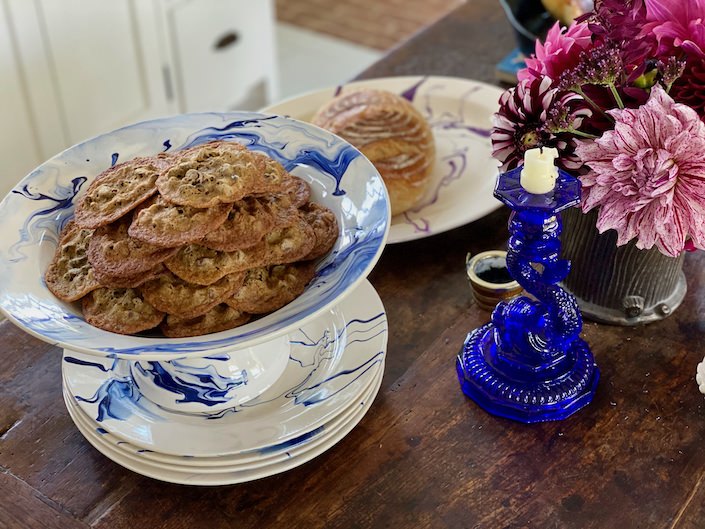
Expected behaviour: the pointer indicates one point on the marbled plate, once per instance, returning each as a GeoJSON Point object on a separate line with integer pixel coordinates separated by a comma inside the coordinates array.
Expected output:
{"type": "Point", "coordinates": [460, 113]}
{"type": "Point", "coordinates": [227, 477]}
{"type": "Point", "coordinates": [214, 465]}
{"type": "Point", "coordinates": [32, 215]}
{"type": "Point", "coordinates": [333, 359]}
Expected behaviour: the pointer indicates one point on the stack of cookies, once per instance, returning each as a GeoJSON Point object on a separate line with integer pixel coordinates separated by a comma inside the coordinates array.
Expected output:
{"type": "Point", "coordinates": [192, 242]}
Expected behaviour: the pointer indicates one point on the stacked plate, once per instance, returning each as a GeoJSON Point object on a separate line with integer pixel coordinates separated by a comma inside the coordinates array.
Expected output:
{"type": "Point", "coordinates": [316, 363]}
{"type": "Point", "coordinates": [334, 372]}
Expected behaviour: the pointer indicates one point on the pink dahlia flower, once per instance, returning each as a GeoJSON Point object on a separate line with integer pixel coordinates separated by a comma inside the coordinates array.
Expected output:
{"type": "Point", "coordinates": [559, 51]}
{"type": "Point", "coordinates": [677, 24]}
{"type": "Point", "coordinates": [532, 114]}
{"type": "Point", "coordinates": [648, 175]}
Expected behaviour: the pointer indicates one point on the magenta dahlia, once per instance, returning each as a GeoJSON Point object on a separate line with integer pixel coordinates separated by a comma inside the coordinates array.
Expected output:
{"type": "Point", "coordinates": [560, 51]}
{"type": "Point", "coordinates": [620, 22]}
{"type": "Point", "coordinates": [647, 175]}
{"type": "Point", "coordinates": [677, 24]}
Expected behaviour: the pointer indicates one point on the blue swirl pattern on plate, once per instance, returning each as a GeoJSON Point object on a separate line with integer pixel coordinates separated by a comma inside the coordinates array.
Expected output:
{"type": "Point", "coordinates": [47, 222]}
{"type": "Point", "coordinates": [332, 360]}
{"type": "Point", "coordinates": [32, 215]}
{"type": "Point", "coordinates": [203, 385]}
{"type": "Point", "coordinates": [118, 396]}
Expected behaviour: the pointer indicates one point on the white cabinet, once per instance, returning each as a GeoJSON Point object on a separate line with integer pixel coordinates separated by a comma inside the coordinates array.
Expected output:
{"type": "Point", "coordinates": [18, 135]}
{"type": "Point", "coordinates": [224, 55]}
{"type": "Point", "coordinates": [72, 69]}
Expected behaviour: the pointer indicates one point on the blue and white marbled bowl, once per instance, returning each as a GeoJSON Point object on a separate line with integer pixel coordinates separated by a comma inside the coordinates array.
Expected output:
{"type": "Point", "coordinates": [32, 216]}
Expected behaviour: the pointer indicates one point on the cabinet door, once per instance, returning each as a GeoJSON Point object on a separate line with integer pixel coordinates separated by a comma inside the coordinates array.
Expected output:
{"type": "Point", "coordinates": [104, 63]}
{"type": "Point", "coordinates": [224, 53]}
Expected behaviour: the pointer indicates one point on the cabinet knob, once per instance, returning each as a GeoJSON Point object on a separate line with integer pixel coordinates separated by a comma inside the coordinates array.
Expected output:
{"type": "Point", "coordinates": [226, 40]}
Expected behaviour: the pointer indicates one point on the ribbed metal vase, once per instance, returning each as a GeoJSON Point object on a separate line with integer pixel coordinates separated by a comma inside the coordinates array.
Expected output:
{"type": "Point", "coordinates": [614, 284]}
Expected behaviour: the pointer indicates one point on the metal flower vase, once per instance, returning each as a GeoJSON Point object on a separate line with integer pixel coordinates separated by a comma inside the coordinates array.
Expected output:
{"type": "Point", "coordinates": [621, 285]}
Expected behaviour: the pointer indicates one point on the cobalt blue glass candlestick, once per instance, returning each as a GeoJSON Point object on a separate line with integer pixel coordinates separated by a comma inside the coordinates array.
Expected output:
{"type": "Point", "coordinates": [529, 363]}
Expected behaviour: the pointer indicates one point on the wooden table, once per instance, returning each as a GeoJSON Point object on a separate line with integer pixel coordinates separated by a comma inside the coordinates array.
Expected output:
{"type": "Point", "coordinates": [424, 455]}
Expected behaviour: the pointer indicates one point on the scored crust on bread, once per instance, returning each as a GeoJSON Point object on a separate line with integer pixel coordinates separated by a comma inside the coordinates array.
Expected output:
{"type": "Point", "coordinates": [391, 133]}
{"type": "Point", "coordinates": [119, 189]}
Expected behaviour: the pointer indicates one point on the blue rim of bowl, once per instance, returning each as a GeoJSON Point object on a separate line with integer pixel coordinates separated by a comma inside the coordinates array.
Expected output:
{"type": "Point", "coordinates": [339, 173]}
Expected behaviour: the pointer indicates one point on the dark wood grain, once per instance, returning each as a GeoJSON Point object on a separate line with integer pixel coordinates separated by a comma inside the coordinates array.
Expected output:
{"type": "Point", "coordinates": [424, 456]}
{"type": "Point", "coordinates": [24, 506]}
{"type": "Point", "coordinates": [467, 43]}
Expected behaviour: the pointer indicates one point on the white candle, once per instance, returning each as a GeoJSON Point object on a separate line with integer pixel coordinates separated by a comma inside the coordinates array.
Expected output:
{"type": "Point", "coordinates": [539, 174]}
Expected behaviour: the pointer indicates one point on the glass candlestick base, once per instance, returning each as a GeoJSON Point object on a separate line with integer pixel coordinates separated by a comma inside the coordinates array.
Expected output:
{"type": "Point", "coordinates": [547, 394]}
{"type": "Point", "coordinates": [529, 363]}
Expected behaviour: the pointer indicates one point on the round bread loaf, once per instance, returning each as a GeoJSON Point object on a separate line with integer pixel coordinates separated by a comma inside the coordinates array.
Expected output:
{"type": "Point", "coordinates": [391, 133]}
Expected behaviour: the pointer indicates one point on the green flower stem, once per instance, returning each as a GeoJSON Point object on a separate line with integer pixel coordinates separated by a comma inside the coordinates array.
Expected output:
{"type": "Point", "coordinates": [593, 104]}
{"type": "Point", "coordinates": [617, 99]}
{"type": "Point", "coordinates": [583, 134]}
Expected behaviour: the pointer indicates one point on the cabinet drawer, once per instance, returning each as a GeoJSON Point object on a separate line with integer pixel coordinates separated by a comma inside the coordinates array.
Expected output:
{"type": "Point", "coordinates": [222, 49]}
